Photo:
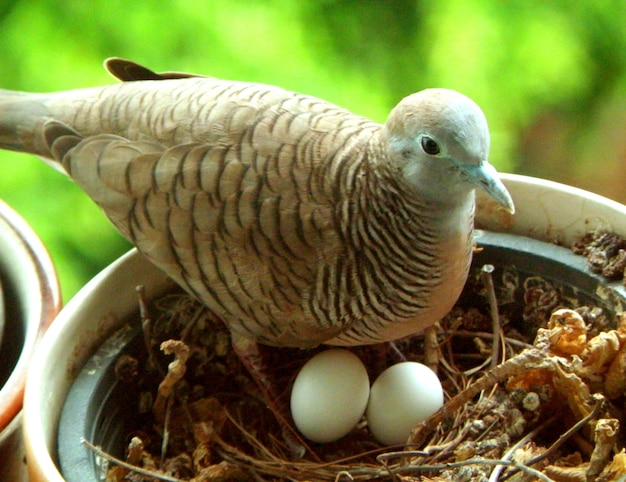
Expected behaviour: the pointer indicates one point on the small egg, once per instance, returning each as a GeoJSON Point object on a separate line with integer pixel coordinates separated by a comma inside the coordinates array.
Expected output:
{"type": "Point", "coordinates": [329, 395]}
{"type": "Point", "coordinates": [401, 397]}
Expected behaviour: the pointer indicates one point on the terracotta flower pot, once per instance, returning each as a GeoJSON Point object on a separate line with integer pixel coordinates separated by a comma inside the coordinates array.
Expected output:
{"type": "Point", "coordinates": [30, 301]}
{"type": "Point", "coordinates": [546, 211]}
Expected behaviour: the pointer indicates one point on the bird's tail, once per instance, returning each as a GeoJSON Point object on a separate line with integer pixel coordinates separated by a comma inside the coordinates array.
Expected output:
{"type": "Point", "coordinates": [19, 114]}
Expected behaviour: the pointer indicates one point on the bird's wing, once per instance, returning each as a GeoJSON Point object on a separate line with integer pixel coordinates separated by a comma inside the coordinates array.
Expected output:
{"type": "Point", "coordinates": [230, 232]}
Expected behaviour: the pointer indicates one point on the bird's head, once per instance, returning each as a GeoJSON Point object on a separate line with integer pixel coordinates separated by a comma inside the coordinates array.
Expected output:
{"type": "Point", "coordinates": [440, 139]}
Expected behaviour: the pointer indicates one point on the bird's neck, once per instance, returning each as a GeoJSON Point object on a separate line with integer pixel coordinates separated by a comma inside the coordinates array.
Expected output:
{"type": "Point", "coordinates": [403, 251]}
{"type": "Point", "coordinates": [420, 215]}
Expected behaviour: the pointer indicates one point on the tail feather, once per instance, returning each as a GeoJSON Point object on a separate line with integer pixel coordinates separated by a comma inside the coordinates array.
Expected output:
{"type": "Point", "coordinates": [19, 114]}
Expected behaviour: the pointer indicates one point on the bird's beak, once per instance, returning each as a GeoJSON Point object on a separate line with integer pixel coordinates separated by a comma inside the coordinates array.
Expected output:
{"type": "Point", "coordinates": [486, 178]}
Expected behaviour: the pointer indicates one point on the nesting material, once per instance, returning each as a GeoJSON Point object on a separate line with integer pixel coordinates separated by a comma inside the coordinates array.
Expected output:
{"type": "Point", "coordinates": [550, 409]}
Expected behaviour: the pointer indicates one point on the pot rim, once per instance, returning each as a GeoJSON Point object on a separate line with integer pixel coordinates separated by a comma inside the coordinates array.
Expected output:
{"type": "Point", "coordinates": [28, 269]}
{"type": "Point", "coordinates": [560, 213]}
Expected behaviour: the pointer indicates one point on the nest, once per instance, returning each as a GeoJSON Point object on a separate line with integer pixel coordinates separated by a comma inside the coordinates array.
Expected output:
{"type": "Point", "coordinates": [519, 407]}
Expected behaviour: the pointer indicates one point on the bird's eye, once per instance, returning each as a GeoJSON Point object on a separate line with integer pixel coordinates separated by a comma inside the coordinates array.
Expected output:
{"type": "Point", "coordinates": [430, 146]}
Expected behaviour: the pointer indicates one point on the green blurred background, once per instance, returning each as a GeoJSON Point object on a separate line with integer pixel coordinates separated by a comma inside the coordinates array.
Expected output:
{"type": "Point", "coordinates": [550, 76]}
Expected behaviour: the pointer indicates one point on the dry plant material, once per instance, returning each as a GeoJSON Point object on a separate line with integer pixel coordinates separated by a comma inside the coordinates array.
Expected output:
{"type": "Point", "coordinates": [604, 361]}
{"type": "Point", "coordinates": [175, 372]}
{"type": "Point", "coordinates": [568, 333]}
{"type": "Point", "coordinates": [616, 469]}
{"type": "Point", "coordinates": [605, 252]}
{"type": "Point", "coordinates": [605, 436]}
{"type": "Point", "coordinates": [551, 409]}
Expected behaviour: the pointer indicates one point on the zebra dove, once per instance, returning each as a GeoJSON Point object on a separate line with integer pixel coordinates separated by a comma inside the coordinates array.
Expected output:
{"type": "Point", "coordinates": [292, 219]}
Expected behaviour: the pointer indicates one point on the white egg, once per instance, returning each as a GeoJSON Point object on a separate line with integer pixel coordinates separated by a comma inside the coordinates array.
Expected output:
{"type": "Point", "coordinates": [401, 397]}
{"type": "Point", "coordinates": [329, 395]}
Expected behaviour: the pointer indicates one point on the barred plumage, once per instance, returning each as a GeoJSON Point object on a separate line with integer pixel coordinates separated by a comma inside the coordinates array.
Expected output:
{"type": "Point", "coordinates": [295, 221]}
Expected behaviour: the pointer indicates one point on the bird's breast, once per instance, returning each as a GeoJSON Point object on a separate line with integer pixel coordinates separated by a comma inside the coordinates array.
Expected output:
{"type": "Point", "coordinates": [410, 278]}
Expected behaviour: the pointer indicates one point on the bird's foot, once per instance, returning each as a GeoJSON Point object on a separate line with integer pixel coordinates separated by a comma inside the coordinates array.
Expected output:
{"type": "Point", "coordinates": [252, 356]}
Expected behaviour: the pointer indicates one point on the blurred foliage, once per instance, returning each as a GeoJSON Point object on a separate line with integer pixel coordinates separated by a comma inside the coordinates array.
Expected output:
{"type": "Point", "coordinates": [550, 77]}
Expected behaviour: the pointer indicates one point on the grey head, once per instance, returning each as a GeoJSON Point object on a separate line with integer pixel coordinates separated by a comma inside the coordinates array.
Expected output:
{"type": "Point", "coordinates": [440, 140]}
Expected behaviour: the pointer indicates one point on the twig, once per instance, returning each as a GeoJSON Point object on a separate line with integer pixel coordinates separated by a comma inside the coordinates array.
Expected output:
{"type": "Point", "coordinates": [472, 371]}
{"type": "Point", "coordinates": [138, 470]}
{"type": "Point", "coordinates": [509, 341]}
{"type": "Point", "coordinates": [495, 474]}
{"type": "Point", "coordinates": [343, 475]}
{"type": "Point", "coordinates": [166, 430]}
{"type": "Point", "coordinates": [487, 279]}
{"type": "Point", "coordinates": [252, 440]}
{"type": "Point", "coordinates": [431, 348]}
{"type": "Point", "coordinates": [189, 325]}
{"type": "Point", "coordinates": [146, 324]}
{"type": "Point", "coordinates": [452, 465]}
{"type": "Point", "coordinates": [575, 428]}
{"type": "Point", "coordinates": [398, 356]}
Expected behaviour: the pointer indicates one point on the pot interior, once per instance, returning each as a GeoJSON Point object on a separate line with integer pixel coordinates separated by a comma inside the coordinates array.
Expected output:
{"type": "Point", "coordinates": [102, 409]}
{"type": "Point", "coordinates": [99, 408]}
{"type": "Point", "coordinates": [527, 269]}
{"type": "Point", "coordinates": [13, 335]}
{"type": "Point", "coordinates": [2, 313]}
